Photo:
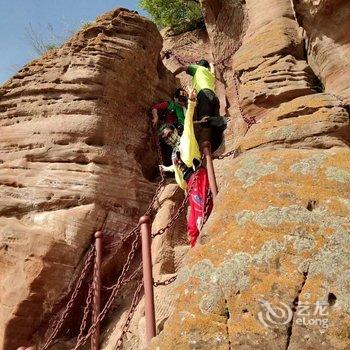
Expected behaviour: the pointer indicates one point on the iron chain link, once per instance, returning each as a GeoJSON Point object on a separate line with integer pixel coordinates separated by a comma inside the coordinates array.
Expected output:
{"type": "Point", "coordinates": [87, 310]}
{"type": "Point", "coordinates": [234, 153]}
{"type": "Point", "coordinates": [127, 280]}
{"type": "Point", "coordinates": [114, 293]}
{"type": "Point", "coordinates": [179, 210]}
{"type": "Point", "coordinates": [84, 272]}
{"type": "Point", "coordinates": [166, 282]}
{"type": "Point", "coordinates": [132, 309]}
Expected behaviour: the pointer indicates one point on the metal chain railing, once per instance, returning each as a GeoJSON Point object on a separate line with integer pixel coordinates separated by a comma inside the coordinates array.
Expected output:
{"type": "Point", "coordinates": [127, 280]}
{"type": "Point", "coordinates": [234, 153]}
{"type": "Point", "coordinates": [172, 220]}
{"type": "Point", "coordinates": [208, 206]}
{"type": "Point", "coordinates": [86, 268]}
{"type": "Point", "coordinates": [87, 310]}
{"type": "Point", "coordinates": [179, 211]}
{"type": "Point", "coordinates": [122, 280]}
{"type": "Point", "coordinates": [170, 280]}
{"type": "Point", "coordinates": [114, 293]}
{"type": "Point", "coordinates": [249, 120]}
{"type": "Point", "coordinates": [131, 312]}
{"type": "Point", "coordinates": [166, 282]}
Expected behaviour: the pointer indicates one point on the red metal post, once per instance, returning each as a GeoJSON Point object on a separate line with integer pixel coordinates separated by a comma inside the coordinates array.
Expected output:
{"type": "Point", "coordinates": [210, 168]}
{"type": "Point", "coordinates": [148, 278]}
{"type": "Point", "coordinates": [95, 338]}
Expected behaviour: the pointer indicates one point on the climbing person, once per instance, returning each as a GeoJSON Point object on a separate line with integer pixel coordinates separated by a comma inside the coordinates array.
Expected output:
{"type": "Point", "coordinates": [203, 81]}
{"type": "Point", "coordinates": [171, 112]}
{"type": "Point", "coordinates": [185, 149]}
{"type": "Point", "coordinates": [209, 125]}
{"type": "Point", "coordinates": [189, 174]}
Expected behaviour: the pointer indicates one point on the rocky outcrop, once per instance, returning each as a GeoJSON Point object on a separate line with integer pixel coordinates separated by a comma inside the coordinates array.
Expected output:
{"type": "Point", "coordinates": [283, 238]}
{"type": "Point", "coordinates": [326, 25]}
{"type": "Point", "coordinates": [75, 146]}
{"type": "Point", "coordinates": [272, 269]}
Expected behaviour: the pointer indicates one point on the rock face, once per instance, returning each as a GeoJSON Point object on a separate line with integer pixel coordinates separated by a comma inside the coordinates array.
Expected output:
{"type": "Point", "coordinates": [75, 146]}
{"type": "Point", "coordinates": [278, 242]}
{"type": "Point", "coordinates": [272, 269]}
{"type": "Point", "coordinates": [326, 25]}
{"type": "Point", "coordinates": [185, 49]}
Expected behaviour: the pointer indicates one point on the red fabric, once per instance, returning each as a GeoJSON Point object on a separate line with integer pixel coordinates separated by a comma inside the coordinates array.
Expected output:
{"type": "Point", "coordinates": [162, 106]}
{"type": "Point", "coordinates": [166, 115]}
{"type": "Point", "coordinates": [197, 200]}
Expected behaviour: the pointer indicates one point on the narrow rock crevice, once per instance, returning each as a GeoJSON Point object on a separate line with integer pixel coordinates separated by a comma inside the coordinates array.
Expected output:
{"type": "Point", "coordinates": [305, 41]}
{"type": "Point", "coordinates": [294, 309]}
{"type": "Point", "coordinates": [296, 15]}
{"type": "Point", "coordinates": [228, 316]}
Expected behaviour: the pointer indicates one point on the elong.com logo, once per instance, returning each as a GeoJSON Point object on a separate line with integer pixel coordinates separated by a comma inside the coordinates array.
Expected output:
{"type": "Point", "coordinates": [305, 314]}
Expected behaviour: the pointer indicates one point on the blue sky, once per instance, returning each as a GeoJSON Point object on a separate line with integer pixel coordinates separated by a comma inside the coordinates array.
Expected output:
{"type": "Point", "coordinates": [49, 20]}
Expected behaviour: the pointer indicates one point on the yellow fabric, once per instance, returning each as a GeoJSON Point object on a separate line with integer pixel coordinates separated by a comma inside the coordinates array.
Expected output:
{"type": "Point", "coordinates": [202, 79]}
{"type": "Point", "coordinates": [188, 147]}
{"type": "Point", "coordinates": [179, 177]}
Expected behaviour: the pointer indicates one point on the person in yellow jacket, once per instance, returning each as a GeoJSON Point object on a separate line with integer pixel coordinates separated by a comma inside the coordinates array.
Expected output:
{"type": "Point", "coordinates": [186, 155]}
{"type": "Point", "coordinates": [210, 125]}
{"type": "Point", "coordinates": [203, 80]}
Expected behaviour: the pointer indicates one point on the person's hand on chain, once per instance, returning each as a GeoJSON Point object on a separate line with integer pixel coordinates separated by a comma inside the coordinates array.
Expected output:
{"type": "Point", "coordinates": [192, 94]}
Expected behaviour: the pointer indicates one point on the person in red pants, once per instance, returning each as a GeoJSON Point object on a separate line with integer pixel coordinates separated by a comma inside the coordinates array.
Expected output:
{"type": "Point", "coordinates": [200, 203]}
{"type": "Point", "coordinates": [189, 174]}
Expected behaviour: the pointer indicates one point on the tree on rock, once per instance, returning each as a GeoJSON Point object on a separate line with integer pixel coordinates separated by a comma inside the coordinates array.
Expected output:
{"type": "Point", "coordinates": [179, 15]}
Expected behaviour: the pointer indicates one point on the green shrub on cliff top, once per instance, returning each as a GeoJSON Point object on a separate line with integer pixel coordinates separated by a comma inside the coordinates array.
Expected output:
{"type": "Point", "coordinates": [179, 15]}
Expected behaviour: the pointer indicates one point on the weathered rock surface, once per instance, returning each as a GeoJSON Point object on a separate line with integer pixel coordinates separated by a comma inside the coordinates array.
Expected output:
{"type": "Point", "coordinates": [185, 49]}
{"type": "Point", "coordinates": [226, 24]}
{"type": "Point", "coordinates": [279, 232]}
{"type": "Point", "coordinates": [74, 144]}
{"type": "Point", "coordinates": [284, 236]}
{"type": "Point", "coordinates": [327, 25]}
